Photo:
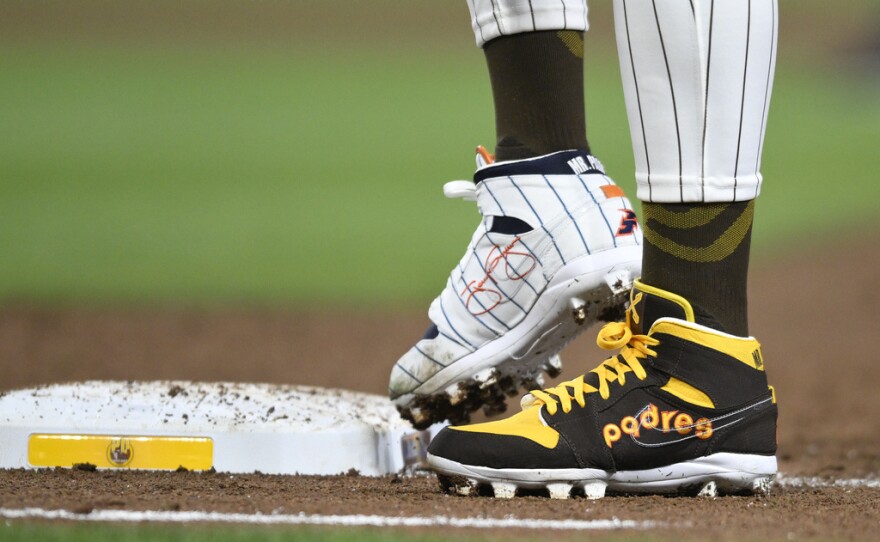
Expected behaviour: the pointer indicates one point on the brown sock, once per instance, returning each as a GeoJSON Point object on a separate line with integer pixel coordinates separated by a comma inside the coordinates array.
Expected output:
{"type": "Point", "coordinates": [701, 252]}
{"type": "Point", "coordinates": [538, 90]}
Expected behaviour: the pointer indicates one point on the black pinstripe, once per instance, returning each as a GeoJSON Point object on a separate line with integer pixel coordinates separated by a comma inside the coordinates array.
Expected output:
{"type": "Point", "coordinates": [767, 89]}
{"type": "Point", "coordinates": [564, 16]}
{"type": "Point", "coordinates": [742, 106]}
{"type": "Point", "coordinates": [706, 103]}
{"type": "Point", "coordinates": [638, 98]}
{"type": "Point", "coordinates": [532, 11]}
{"type": "Point", "coordinates": [672, 93]}
{"type": "Point", "coordinates": [495, 16]}
{"type": "Point", "coordinates": [476, 20]}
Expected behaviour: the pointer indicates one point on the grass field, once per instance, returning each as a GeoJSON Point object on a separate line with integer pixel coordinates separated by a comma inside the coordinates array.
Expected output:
{"type": "Point", "coordinates": [262, 175]}
{"type": "Point", "coordinates": [265, 174]}
{"type": "Point", "coordinates": [151, 533]}
{"type": "Point", "coordinates": [154, 533]}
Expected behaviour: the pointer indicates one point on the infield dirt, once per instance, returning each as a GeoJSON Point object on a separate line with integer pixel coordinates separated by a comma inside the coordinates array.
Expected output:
{"type": "Point", "coordinates": [814, 313]}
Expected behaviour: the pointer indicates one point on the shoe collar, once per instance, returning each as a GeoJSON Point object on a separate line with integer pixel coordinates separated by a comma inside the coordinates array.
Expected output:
{"type": "Point", "coordinates": [569, 162]}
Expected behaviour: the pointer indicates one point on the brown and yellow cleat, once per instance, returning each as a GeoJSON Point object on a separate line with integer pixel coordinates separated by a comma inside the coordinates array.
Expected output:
{"type": "Point", "coordinates": [683, 407]}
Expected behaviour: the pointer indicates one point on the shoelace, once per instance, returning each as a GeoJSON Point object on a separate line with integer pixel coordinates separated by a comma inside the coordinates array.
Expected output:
{"type": "Point", "coordinates": [612, 336]}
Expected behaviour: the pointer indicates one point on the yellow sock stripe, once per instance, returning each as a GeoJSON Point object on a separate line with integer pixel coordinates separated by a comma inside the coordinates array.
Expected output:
{"type": "Point", "coordinates": [694, 218]}
{"type": "Point", "coordinates": [573, 40]}
{"type": "Point", "coordinates": [720, 249]}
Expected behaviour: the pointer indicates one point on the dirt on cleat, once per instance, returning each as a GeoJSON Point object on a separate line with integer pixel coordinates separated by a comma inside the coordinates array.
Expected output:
{"type": "Point", "coordinates": [457, 485]}
{"type": "Point", "coordinates": [710, 489]}
{"type": "Point", "coordinates": [614, 312]}
{"type": "Point", "coordinates": [493, 409]}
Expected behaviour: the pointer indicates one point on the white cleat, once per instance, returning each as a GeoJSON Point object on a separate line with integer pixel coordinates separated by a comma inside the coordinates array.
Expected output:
{"type": "Point", "coordinates": [558, 248]}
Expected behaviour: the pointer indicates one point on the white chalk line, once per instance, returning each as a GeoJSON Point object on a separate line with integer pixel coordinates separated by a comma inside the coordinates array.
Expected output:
{"type": "Point", "coordinates": [361, 520]}
{"type": "Point", "coordinates": [816, 482]}
{"type": "Point", "coordinates": [129, 516]}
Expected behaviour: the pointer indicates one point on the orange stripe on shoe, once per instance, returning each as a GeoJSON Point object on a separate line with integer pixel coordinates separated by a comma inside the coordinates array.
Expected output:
{"type": "Point", "coordinates": [490, 159]}
{"type": "Point", "coordinates": [612, 191]}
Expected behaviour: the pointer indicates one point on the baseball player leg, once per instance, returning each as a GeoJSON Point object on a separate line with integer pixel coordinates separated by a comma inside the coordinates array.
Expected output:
{"type": "Point", "coordinates": [697, 78]}
{"type": "Point", "coordinates": [535, 55]}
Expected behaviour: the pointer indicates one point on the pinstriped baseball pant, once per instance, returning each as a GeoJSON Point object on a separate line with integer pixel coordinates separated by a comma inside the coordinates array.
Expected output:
{"type": "Point", "coordinates": [697, 78]}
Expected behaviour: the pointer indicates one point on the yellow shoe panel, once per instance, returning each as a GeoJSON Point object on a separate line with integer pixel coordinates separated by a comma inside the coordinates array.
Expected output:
{"type": "Point", "coordinates": [745, 349]}
{"type": "Point", "coordinates": [686, 392]}
{"type": "Point", "coordinates": [525, 424]}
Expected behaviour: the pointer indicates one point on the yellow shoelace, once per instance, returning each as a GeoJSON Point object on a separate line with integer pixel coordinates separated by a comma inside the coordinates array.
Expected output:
{"type": "Point", "coordinates": [612, 336]}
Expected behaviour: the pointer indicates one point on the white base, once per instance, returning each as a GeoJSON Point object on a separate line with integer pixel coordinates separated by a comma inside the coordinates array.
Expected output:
{"type": "Point", "coordinates": [254, 427]}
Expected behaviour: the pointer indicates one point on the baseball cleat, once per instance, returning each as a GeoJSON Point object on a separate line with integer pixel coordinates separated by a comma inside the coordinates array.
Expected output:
{"type": "Point", "coordinates": [557, 249]}
{"type": "Point", "coordinates": [683, 408]}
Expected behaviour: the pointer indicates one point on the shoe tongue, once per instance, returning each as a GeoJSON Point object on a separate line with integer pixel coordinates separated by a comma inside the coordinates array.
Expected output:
{"type": "Point", "coordinates": [649, 304]}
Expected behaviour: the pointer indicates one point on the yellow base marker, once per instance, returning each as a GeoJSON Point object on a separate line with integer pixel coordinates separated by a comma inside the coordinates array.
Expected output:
{"type": "Point", "coordinates": [121, 452]}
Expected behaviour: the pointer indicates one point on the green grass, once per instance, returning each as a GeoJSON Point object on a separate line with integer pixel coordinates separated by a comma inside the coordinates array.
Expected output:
{"type": "Point", "coordinates": [266, 176]}
{"type": "Point", "coordinates": [158, 169]}
{"type": "Point", "coordinates": [66, 532]}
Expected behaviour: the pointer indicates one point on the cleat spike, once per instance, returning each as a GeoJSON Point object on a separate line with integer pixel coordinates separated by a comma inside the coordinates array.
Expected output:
{"type": "Point", "coordinates": [464, 491]}
{"type": "Point", "coordinates": [559, 490]}
{"type": "Point", "coordinates": [503, 490]}
{"type": "Point", "coordinates": [418, 415]}
{"type": "Point", "coordinates": [619, 281]}
{"type": "Point", "coordinates": [594, 490]}
{"type": "Point", "coordinates": [709, 489]}
{"type": "Point", "coordinates": [465, 486]}
{"type": "Point", "coordinates": [763, 485]}
{"type": "Point", "coordinates": [485, 376]}
{"type": "Point", "coordinates": [553, 368]}
{"type": "Point", "coordinates": [578, 310]}
{"type": "Point", "coordinates": [456, 394]}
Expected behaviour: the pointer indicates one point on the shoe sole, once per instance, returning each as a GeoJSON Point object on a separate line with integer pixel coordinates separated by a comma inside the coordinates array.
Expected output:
{"type": "Point", "coordinates": [592, 288]}
{"type": "Point", "coordinates": [709, 476]}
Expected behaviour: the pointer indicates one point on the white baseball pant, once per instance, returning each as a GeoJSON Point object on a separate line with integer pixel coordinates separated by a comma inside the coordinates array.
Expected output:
{"type": "Point", "coordinates": [697, 78]}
